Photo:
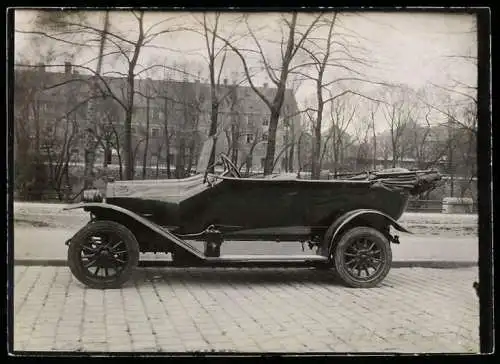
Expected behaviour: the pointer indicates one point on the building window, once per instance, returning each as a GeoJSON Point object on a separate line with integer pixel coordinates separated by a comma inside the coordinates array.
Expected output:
{"type": "Point", "coordinates": [249, 138]}
{"type": "Point", "coordinates": [265, 122]}
{"type": "Point", "coordinates": [155, 132]}
{"type": "Point", "coordinates": [155, 114]}
{"type": "Point", "coordinates": [43, 106]}
{"type": "Point", "coordinates": [253, 121]}
{"type": "Point", "coordinates": [49, 129]}
{"type": "Point", "coordinates": [264, 136]}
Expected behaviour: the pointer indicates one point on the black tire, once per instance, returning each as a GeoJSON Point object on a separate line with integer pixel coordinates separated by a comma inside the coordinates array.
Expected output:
{"type": "Point", "coordinates": [101, 240]}
{"type": "Point", "coordinates": [348, 255]}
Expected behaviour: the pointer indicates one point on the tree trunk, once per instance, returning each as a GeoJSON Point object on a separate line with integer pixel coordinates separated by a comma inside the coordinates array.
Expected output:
{"type": "Point", "coordinates": [36, 116]}
{"type": "Point", "coordinates": [129, 158]}
{"type": "Point", "coordinates": [299, 147]}
{"type": "Point", "coordinates": [127, 147]}
{"type": "Point", "coordinates": [146, 146]}
{"type": "Point", "coordinates": [374, 145]}
{"type": "Point", "coordinates": [335, 161]}
{"type": "Point", "coordinates": [271, 140]}
{"type": "Point", "coordinates": [213, 130]}
{"type": "Point", "coordinates": [179, 162]}
{"type": "Point", "coordinates": [167, 136]}
{"type": "Point", "coordinates": [394, 155]}
{"type": "Point", "coordinates": [234, 142]}
{"type": "Point", "coordinates": [290, 158]}
{"type": "Point", "coordinates": [315, 166]}
{"type": "Point", "coordinates": [118, 154]}
{"type": "Point", "coordinates": [450, 159]}
{"type": "Point", "coordinates": [120, 164]}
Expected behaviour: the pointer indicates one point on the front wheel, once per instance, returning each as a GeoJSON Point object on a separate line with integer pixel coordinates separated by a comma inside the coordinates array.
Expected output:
{"type": "Point", "coordinates": [103, 255]}
{"type": "Point", "coordinates": [362, 257]}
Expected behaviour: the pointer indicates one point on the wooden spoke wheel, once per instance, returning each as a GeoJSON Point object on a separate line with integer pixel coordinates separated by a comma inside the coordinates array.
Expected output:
{"type": "Point", "coordinates": [103, 254]}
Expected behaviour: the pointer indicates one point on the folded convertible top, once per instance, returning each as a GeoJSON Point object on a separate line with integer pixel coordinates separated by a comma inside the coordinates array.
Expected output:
{"type": "Point", "coordinates": [415, 182]}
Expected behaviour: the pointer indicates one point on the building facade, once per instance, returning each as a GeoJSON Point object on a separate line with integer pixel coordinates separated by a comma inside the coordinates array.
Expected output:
{"type": "Point", "coordinates": [170, 120]}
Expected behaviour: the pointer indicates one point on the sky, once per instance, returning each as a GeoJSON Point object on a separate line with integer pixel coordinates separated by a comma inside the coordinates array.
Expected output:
{"type": "Point", "coordinates": [407, 48]}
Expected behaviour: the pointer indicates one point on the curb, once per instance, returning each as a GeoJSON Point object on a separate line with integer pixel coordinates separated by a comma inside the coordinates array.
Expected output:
{"type": "Point", "coordinates": [437, 264]}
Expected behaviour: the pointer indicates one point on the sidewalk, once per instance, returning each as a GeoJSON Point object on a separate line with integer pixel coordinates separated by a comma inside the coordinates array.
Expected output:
{"type": "Point", "coordinates": [45, 246]}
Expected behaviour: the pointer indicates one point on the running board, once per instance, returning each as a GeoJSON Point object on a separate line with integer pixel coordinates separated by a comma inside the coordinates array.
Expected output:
{"type": "Point", "coordinates": [261, 261]}
{"type": "Point", "coordinates": [266, 258]}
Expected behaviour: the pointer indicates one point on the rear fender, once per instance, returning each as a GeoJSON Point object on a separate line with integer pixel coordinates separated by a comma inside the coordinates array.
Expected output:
{"type": "Point", "coordinates": [113, 212]}
{"type": "Point", "coordinates": [368, 217]}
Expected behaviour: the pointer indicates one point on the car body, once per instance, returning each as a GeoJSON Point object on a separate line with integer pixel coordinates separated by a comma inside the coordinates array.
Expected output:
{"type": "Point", "coordinates": [338, 219]}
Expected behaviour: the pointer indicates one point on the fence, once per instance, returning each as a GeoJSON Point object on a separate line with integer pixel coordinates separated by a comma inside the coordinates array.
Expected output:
{"type": "Point", "coordinates": [440, 206]}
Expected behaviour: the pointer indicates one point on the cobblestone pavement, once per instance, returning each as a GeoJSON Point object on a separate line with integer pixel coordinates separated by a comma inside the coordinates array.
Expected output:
{"type": "Point", "coordinates": [247, 310]}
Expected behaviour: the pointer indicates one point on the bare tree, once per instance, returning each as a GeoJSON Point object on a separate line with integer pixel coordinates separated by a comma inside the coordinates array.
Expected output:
{"type": "Point", "coordinates": [215, 56]}
{"type": "Point", "coordinates": [342, 114]}
{"type": "Point", "coordinates": [110, 132]}
{"type": "Point", "coordinates": [335, 66]}
{"type": "Point", "coordinates": [422, 145]}
{"type": "Point", "coordinates": [28, 88]}
{"type": "Point", "coordinates": [148, 96]}
{"type": "Point", "coordinates": [188, 110]}
{"type": "Point", "coordinates": [399, 109]}
{"type": "Point", "coordinates": [164, 93]}
{"type": "Point", "coordinates": [117, 45]}
{"type": "Point", "coordinates": [234, 130]}
{"type": "Point", "coordinates": [254, 138]}
{"type": "Point", "coordinates": [58, 142]}
{"type": "Point", "coordinates": [291, 42]}
{"type": "Point", "coordinates": [55, 23]}
{"type": "Point", "coordinates": [304, 142]}
{"type": "Point", "coordinates": [372, 110]}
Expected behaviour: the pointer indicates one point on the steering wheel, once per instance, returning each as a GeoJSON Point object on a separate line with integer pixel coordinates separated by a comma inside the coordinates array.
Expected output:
{"type": "Point", "coordinates": [230, 168]}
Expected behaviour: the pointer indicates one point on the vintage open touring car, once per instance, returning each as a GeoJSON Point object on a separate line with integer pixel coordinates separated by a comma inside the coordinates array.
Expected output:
{"type": "Point", "coordinates": [345, 222]}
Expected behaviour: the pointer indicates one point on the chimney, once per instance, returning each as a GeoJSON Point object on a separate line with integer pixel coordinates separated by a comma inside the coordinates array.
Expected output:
{"type": "Point", "coordinates": [67, 68]}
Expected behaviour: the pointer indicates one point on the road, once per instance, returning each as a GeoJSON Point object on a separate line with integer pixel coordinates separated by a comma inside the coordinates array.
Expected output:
{"type": "Point", "coordinates": [48, 243]}
{"type": "Point", "coordinates": [415, 310]}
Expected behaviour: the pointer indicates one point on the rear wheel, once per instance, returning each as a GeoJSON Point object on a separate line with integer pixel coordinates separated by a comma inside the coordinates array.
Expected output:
{"type": "Point", "coordinates": [103, 255]}
{"type": "Point", "coordinates": [362, 257]}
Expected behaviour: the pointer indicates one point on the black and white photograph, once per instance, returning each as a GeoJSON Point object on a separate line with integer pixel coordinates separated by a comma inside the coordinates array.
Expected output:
{"type": "Point", "coordinates": [231, 181]}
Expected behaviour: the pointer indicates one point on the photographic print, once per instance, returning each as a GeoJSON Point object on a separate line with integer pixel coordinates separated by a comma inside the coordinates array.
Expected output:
{"type": "Point", "coordinates": [245, 182]}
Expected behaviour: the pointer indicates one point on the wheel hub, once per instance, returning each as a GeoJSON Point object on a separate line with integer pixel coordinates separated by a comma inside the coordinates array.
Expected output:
{"type": "Point", "coordinates": [361, 256]}
{"type": "Point", "coordinates": [103, 253]}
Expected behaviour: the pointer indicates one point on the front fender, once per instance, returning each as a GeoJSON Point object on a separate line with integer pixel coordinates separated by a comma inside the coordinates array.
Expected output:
{"type": "Point", "coordinates": [95, 207]}
{"type": "Point", "coordinates": [336, 227]}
